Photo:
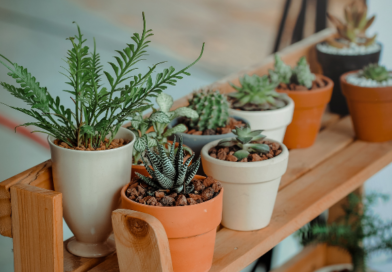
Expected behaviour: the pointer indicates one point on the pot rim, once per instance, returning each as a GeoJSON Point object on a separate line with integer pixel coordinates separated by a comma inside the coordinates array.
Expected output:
{"type": "Point", "coordinates": [276, 111]}
{"type": "Point", "coordinates": [377, 42]}
{"type": "Point", "coordinates": [344, 81]}
{"type": "Point", "coordinates": [216, 135]}
{"type": "Point", "coordinates": [282, 156]}
{"type": "Point", "coordinates": [123, 196]}
{"type": "Point", "coordinates": [318, 90]}
{"type": "Point", "coordinates": [50, 140]}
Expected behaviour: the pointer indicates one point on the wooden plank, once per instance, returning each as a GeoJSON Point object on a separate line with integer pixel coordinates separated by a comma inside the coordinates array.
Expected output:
{"type": "Point", "coordinates": [39, 176]}
{"type": "Point", "coordinates": [37, 227]}
{"type": "Point", "coordinates": [308, 260]}
{"type": "Point", "coordinates": [74, 263]}
{"type": "Point", "coordinates": [301, 201]}
{"type": "Point", "coordinates": [109, 265]}
{"type": "Point", "coordinates": [330, 141]}
{"type": "Point", "coordinates": [141, 242]}
{"type": "Point", "coordinates": [291, 19]}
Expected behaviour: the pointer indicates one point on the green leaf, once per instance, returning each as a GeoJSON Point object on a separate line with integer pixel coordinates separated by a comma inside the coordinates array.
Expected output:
{"type": "Point", "coordinates": [241, 154]}
{"type": "Point", "coordinates": [159, 117]}
{"type": "Point", "coordinates": [185, 112]}
{"type": "Point", "coordinates": [261, 148]}
{"type": "Point", "coordinates": [110, 78]}
{"type": "Point", "coordinates": [180, 128]}
{"type": "Point", "coordinates": [89, 130]}
{"type": "Point", "coordinates": [164, 102]}
{"type": "Point", "coordinates": [140, 143]}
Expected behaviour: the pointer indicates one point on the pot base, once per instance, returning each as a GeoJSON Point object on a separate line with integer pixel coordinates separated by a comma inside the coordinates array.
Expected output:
{"type": "Point", "coordinates": [89, 250]}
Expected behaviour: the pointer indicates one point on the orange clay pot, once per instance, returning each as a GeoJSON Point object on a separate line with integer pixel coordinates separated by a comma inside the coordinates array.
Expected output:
{"type": "Point", "coordinates": [309, 107]}
{"type": "Point", "coordinates": [370, 109]}
{"type": "Point", "coordinates": [191, 229]}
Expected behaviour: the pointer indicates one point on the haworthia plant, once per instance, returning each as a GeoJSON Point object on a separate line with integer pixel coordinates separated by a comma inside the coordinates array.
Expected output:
{"type": "Point", "coordinates": [169, 171]}
{"type": "Point", "coordinates": [375, 72]}
{"type": "Point", "coordinates": [213, 110]}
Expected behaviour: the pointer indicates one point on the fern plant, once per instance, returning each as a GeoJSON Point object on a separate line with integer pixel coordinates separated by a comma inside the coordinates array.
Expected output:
{"type": "Point", "coordinates": [358, 231]}
{"type": "Point", "coordinates": [170, 171]}
{"type": "Point", "coordinates": [99, 111]}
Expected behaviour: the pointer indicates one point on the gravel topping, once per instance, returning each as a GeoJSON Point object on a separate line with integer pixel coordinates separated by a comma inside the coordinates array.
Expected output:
{"type": "Point", "coordinates": [353, 50]}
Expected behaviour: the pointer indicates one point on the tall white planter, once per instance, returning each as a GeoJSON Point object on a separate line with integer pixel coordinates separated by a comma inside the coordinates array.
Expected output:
{"type": "Point", "coordinates": [90, 182]}
{"type": "Point", "coordinates": [273, 122]}
{"type": "Point", "coordinates": [250, 188]}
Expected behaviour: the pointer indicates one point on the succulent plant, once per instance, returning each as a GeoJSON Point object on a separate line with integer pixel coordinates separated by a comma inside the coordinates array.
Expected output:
{"type": "Point", "coordinates": [213, 110]}
{"type": "Point", "coordinates": [256, 93]}
{"type": "Point", "coordinates": [375, 72]}
{"type": "Point", "coordinates": [244, 138]}
{"type": "Point", "coordinates": [302, 73]}
{"type": "Point", "coordinates": [282, 72]}
{"type": "Point", "coordinates": [169, 172]}
{"type": "Point", "coordinates": [159, 120]}
{"type": "Point", "coordinates": [354, 30]}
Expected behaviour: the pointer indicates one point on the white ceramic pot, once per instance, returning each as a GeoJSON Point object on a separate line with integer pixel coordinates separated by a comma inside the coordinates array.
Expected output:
{"type": "Point", "coordinates": [337, 267]}
{"type": "Point", "coordinates": [90, 182]}
{"type": "Point", "coordinates": [250, 188]}
{"type": "Point", "coordinates": [273, 122]}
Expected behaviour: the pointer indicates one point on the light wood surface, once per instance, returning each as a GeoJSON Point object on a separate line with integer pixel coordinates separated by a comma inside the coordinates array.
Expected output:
{"type": "Point", "coordinates": [141, 242]}
{"type": "Point", "coordinates": [39, 176]}
{"type": "Point", "coordinates": [37, 220]}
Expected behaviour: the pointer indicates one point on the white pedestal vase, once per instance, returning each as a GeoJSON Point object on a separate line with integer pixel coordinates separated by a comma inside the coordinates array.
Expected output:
{"type": "Point", "coordinates": [250, 188]}
{"type": "Point", "coordinates": [273, 122]}
{"type": "Point", "coordinates": [90, 182]}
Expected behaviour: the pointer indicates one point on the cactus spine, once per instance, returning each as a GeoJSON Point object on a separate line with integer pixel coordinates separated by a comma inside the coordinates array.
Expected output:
{"type": "Point", "coordinates": [213, 110]}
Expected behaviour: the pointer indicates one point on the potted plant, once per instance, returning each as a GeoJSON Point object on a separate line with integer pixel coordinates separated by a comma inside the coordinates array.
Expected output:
{"type": "Point", "coordinates": [153, 130]}
{"type": "Point", "coordinates": [188, 206]}
{"type": "Point", "coordinates": [349, 232]}
{"type": "Point", "coordinates": [250, 168]}
{"type": "Point", "coordinates": [369, 97]}
{"type": "Point", "coordinates": [351, 50]}
{"type": "Point", "coordinates": [91, 153]}
{"type": "Point", "coordinates": [213, 121]}
{"type": "Point", "coordinates": [257, 102]}
{"type": "Point", "coordinates": [310, 93]}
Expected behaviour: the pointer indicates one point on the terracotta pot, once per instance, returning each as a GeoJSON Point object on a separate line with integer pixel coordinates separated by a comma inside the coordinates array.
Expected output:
{"type": "Point", "coordinates": [90, 182]}
{"type": "Point", "coordinates": [250, 188]}
{"type": "Point", "coordinates": [196, 142]}
{"type": "Point", "coordinates": [336, 65]}
{"type": "Point", "coordinates": [370, 109]}
{"type": "Point", "coordinates": [191, 230]}
{"type": "Point", "coordinates": [308, 111]}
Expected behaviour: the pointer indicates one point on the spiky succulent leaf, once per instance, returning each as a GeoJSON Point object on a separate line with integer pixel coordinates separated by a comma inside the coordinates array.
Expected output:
{"type": "Point", "coordinates": [303, 74]}
{"type": "Point", "coordinates": [191, 172]}
{"type": "Point", "coordinates": [376, 72]}
{"type": "Point", "coordinates": [281, 73]}
{"type": "Point", "coordinates": [147, 180]}
{"type": "Point", "coordinates": [260, 148]}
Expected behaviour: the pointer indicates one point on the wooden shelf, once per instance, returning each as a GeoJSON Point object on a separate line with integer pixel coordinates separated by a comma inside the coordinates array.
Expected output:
{"type": "Point", "coordinates": [316, 179]}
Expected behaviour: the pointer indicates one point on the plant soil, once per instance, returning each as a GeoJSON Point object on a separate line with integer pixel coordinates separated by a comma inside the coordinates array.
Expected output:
{"type": "Point", "coordinates": [116, 143]}
{"type": "Point", "coordinates": [316, 84]}
{"type": "Point", "coordinates": [226, 153]}
{"type": "Point", "coordinates": [205, 190]}
{"type": "Point", "coordinates": [232, 124]}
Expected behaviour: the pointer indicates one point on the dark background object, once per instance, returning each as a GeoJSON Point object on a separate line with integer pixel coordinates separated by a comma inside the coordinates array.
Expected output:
{"type": "Point", "coordinates": [334, 66]}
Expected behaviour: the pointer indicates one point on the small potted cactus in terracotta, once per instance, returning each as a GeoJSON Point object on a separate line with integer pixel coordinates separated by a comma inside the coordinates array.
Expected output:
{"type": "Point", "coordinates": [249, 167]}
{"type": "Point", "coordinates": [369, 98]}
{"type": "Point", "coordinates": [154, 129]}
{"type": "Point", "coordinates": [350, 233]}
{"type": "Point", "coordinates": [257, 102]}
{"type": "Point", "coordinates": [212, 123]}
{"type": "Point", "coordinates": [350, 50]}
{"type": "Point", "coordinates": [188, 206]}
{"type": "Point", "coordinates": [310, 93]}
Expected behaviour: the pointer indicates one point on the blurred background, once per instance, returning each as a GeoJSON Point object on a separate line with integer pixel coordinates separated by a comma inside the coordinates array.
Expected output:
{"type": "Point", "coordinates": [237, 34]}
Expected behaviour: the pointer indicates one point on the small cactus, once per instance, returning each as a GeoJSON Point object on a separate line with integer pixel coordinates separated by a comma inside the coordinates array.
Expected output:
{"type": "Point", "coordinates": [213, 110]}
{"type": "Point", "coordinates": [375, 72]}
{"type": "Point", "coordinates": [303, 74]}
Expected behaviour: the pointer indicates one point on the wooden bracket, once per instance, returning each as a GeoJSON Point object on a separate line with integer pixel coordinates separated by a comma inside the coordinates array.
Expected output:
{"type": "Point", "coordinates": [141, 242]}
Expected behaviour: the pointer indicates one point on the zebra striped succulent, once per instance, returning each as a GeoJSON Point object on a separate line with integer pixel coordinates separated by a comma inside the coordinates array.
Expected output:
{"type": "Point", "coordinates": [169, 172]}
